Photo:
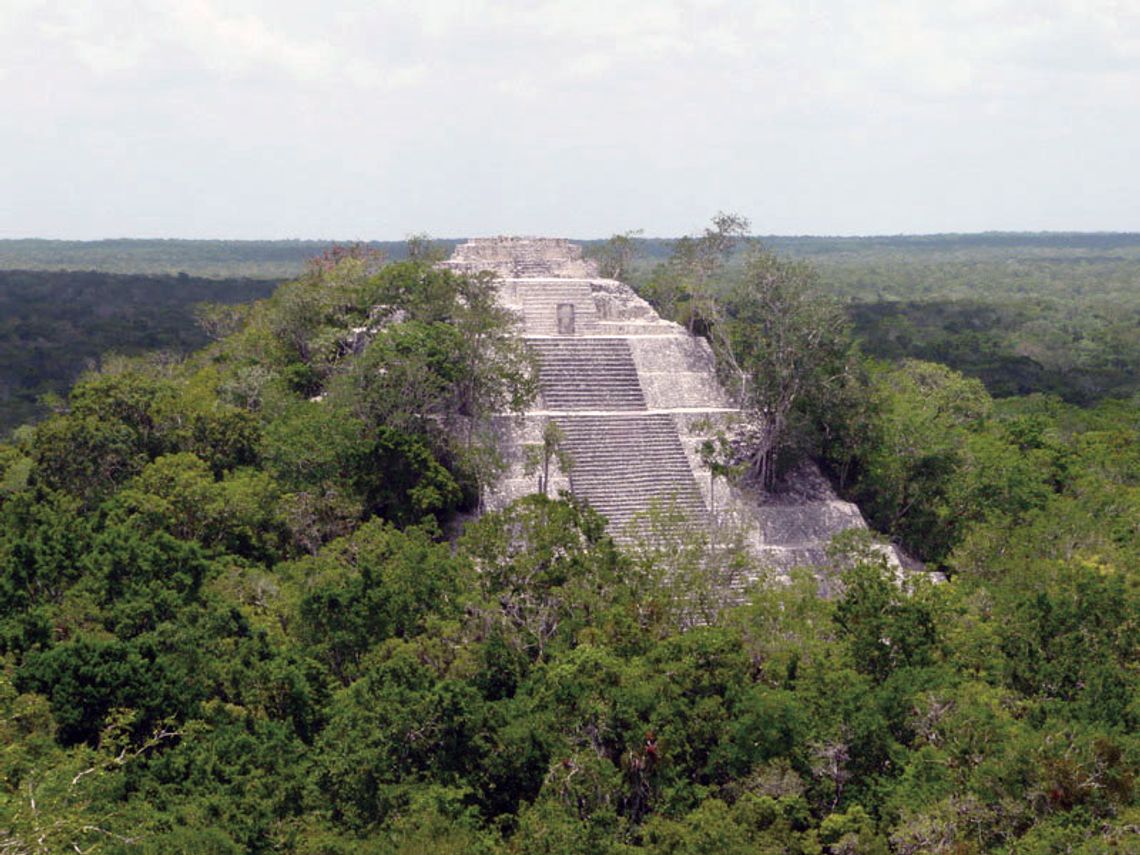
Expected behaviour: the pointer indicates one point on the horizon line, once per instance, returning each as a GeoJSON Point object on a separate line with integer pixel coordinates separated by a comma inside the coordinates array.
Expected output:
{"type": "Point", "coordinates": [802, 235]}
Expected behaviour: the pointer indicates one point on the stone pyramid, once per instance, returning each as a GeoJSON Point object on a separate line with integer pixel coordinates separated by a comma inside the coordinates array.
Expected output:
{"type": "Point", "coordinates": [635, 396]}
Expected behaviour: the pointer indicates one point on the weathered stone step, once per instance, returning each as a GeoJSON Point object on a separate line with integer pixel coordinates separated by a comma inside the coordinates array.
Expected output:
{"type": "Point", "coordinates": [602, 481]}
{"type": "Point", "coordinates": [573, 370]}
{"type": "Point", "coordinates": [622, 463]}
{"type": "Point", "coordinates": [587, 374]}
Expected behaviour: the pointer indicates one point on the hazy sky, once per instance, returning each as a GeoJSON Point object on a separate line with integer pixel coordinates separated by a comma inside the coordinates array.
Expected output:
{"type": "Point", "coordinates": [377, 118]}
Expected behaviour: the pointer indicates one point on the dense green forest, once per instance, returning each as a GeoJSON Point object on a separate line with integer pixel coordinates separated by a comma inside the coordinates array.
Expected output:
{"type": "Point", "coordinates": [1048, 313]}
{"type": "Point", "coordinates": [239, 611]}
{"type": "Point", "coordinates": [54, 325]}
{"type": "Point", "coordinates": [1030, 258]}
{"type": "Point", "coordinates": [257, 259]}
{"type": "Point", "coordinates": [1082, 351]}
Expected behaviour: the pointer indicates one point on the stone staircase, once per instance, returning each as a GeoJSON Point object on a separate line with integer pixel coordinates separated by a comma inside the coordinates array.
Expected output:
{"type": "Point", "coordinates": [624, 462]}
{"type": "Point", "coordinates": [532, 267]}
{"type": "Point", "coordinates": [530, 260]}
{"type": "Point", "coordinates": [587, 374]}
{"type": "Point", "coordinates": [539, 301]}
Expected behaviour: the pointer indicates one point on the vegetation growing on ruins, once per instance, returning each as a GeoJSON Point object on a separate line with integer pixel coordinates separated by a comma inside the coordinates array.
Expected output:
{"type": "Point", "coordinates": [230, 620]}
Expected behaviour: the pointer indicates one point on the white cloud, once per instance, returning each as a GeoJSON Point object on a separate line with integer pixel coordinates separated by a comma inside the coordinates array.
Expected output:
{"type": "Point", "coordinates": [235, 43]}
{"type": "Point", "coordinates": [590, 66]}
{"type": "Point", "coordinates": [828, 106]}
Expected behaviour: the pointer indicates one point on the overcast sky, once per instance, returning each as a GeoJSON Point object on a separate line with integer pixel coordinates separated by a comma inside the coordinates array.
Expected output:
{"type": "Point", "coordinates": [378, 118]}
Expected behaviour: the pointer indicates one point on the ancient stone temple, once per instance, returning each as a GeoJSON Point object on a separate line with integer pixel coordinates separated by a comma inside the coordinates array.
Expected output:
{"type": "Point", "coordinates": [635, 396]}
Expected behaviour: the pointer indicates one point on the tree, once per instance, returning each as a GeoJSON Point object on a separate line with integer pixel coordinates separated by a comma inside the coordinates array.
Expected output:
{"type": "Point", "coordinates": [681, 573]}
{"type": "Point", "coordinates": [312, 444]}
{"type": "Point", "coordinates": [177, 493]}
{"type": "Point", "coordinates": [69, 799]}
{"type": "Point", "coordinates": [495, 373]}
{"type": "Point", "coordinates": [88, 681]}
{"type": "Point", "coordinates": [421, 247]}
{"type": "Point", "coordinates": [85, 457]}
{"type": "Point", "coordinates": [377, 583]}
{"type": "Point", "coordinates": [682, 289]}
{"type": "Point", "coordinates": [703, 256]}
{"type": "Point", "coordinates": [396, 734]}
{"type": "Point", "coordinates": [44, 540]}
{"type": "Point", "coordinates": [719, 457]}
{"type": "Point", "coordinates": [930, 464]}
{"type": "Point", "coordinates": [783, 349]}
{"type": "Point", "coordinates": [541, 566]}
{"type": "Point", "coordinates": [118, 420]}
{"type": "Point", "coordinates": [235, 777]}
{"type": "Point", "coordinates": [443, 367]}
{"type": "Point", "coordinates": [404, 482]}
{"type": "Point", "coordinates": [885, 627]}
{"type": "Point", "coordinates": [616, 255]}
{"type": "Point", "coordinates": [219, 320]}
{"type": "Point", "coordinates": [552, 449]}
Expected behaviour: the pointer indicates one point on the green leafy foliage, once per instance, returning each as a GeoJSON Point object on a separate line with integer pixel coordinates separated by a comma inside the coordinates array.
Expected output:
{"type": "Point", "coordinates": [378, 583]}
{"type": "Point", "coordinates": [55, 325]}
{"type": "Point", "coordinates": [86, 680]}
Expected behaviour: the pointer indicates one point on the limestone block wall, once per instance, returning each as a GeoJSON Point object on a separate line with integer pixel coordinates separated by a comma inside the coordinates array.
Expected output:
{"type": "Point", "coordinates": [677, 371]}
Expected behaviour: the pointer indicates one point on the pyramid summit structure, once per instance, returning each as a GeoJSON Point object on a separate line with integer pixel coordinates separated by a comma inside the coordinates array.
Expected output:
{"type": "Point", "coordinates": [634, 397]}
{"type": "Point", "coordinates": [522, 257]}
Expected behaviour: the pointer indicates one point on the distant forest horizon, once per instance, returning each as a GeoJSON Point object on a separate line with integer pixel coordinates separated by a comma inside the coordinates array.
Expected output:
{"type": "Point", "coordinates": [276, 258]}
